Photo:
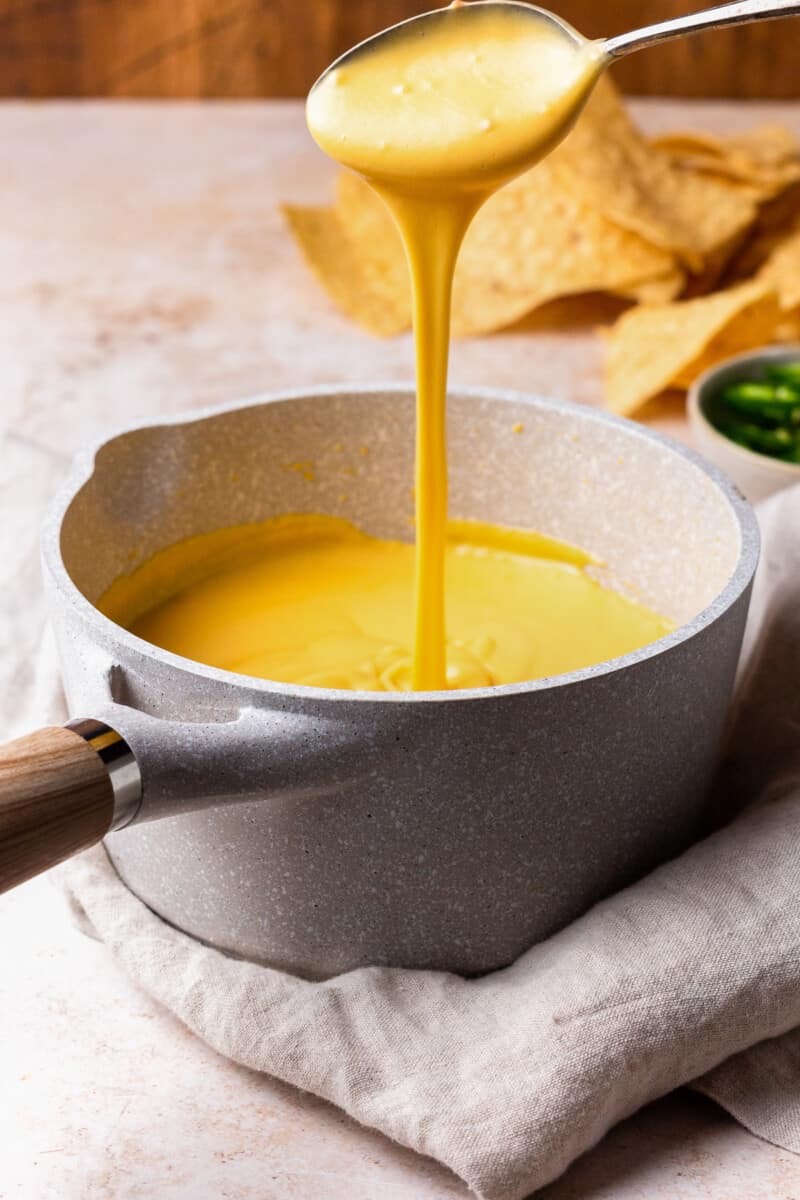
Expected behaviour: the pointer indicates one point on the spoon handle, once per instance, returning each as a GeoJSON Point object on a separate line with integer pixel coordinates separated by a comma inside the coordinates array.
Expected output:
{"type": "Point", "coordinates": [739, 13]}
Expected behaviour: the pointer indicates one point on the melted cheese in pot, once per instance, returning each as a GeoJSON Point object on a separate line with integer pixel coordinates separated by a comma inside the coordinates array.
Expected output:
{"type": "Point", "coordinates": [312, 600]}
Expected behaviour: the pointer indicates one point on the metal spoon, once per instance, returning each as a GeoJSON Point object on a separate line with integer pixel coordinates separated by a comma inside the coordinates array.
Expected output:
{"type": "Point", "coordinates": [741, 12]}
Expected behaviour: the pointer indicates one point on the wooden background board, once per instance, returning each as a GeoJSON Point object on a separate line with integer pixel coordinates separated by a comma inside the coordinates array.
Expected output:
{"type": "Point", "coordinates": [251, 48]}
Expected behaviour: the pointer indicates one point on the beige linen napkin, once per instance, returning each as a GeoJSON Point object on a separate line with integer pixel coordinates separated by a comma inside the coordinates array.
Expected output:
{"type": "Point", "coordinates": [508, 1078]}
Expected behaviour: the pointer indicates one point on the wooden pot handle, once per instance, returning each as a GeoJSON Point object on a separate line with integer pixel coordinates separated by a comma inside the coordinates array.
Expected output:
{"type": "Point", "coordinates": [56, 798]}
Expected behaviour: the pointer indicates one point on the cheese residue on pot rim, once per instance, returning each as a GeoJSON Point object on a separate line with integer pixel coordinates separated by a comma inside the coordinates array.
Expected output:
{"type": "Point", "coordinates": [436, 122]}
{"type": "Point", "coordinates": [310, 599]}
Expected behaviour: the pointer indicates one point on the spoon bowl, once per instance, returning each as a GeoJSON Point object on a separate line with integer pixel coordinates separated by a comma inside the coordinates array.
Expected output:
{"type": "Point", "coordinates": [487, 89]}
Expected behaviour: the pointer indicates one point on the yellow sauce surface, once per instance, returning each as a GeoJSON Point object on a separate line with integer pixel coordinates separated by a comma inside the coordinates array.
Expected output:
{"type": "Point", "coordinates": [436, 123]}
{"type": "Point", "coordinates": [312, 600]}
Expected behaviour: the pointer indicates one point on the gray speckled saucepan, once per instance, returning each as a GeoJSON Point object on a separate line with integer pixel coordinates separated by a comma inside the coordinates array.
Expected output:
{"type": "Point", "coordinates": [318, 830]}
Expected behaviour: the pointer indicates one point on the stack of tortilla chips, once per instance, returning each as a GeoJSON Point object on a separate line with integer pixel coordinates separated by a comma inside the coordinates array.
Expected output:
{"type": "Point", "coordinates": [701, 233]}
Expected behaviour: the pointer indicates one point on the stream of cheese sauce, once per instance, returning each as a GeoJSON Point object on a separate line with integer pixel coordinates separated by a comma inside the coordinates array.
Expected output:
{"type": "Point", "coordinates": [313, 600]}
{"type": "Point", "coordinates": [436, 122]}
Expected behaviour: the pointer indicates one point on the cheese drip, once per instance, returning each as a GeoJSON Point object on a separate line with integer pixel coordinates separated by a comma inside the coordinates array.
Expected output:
{"type": "Point", "coordinates": [436, 121]}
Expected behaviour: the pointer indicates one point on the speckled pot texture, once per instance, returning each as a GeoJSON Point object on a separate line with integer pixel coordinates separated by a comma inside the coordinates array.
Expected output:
{"type": "Point", "coordinates": [318, 830]}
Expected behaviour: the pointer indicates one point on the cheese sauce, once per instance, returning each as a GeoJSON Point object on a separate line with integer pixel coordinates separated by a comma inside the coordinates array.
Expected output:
{"type": "Point", "coordinates": [436, 122]}
{"type": "Point", "coordinates": [312, 600]}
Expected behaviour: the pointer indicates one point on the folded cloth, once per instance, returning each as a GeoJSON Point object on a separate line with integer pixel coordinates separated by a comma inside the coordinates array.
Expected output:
{"type": "Point", "coordinates": [692, 974]}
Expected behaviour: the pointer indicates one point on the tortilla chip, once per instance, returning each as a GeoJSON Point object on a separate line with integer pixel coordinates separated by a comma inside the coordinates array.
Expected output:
{"type": "Point", "coordinates": [764, 165]}
{"type": "Point", "coordinates": [764, 159]}
{"type": "Point", "coordinates": [651, 349]}
{"type": "Point", "coordinates": [611, 166]}
{"type": "Point", "coordinates": [781, 271]}
{"type": "Point", "coordinates": [778, 220]}
{"type": "Point", "coordinates": [782, 210]}
{"type": "Point", "coordinates": [755, 252]}
{"type": "Point", "coordinates": [533, 242]}
{"type": "Point", "coordinates": [768, 157]}
{"type": "Point", "coordinates": [756, 326]}
{"type": "Point", "coordinates": [767, 146]}
{"type": "Point", "coordinates": [788, 329]}
{"type": "Point", "coordinates": [657, 291]}
{"type": "Point", "coordinates": [715, 269]}
{"type": "Point", "coordinates": [690, 144]}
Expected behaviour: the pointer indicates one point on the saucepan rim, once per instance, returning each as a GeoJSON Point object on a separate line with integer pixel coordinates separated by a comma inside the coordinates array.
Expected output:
{"type": "Point", "coordinates": [84, 465]}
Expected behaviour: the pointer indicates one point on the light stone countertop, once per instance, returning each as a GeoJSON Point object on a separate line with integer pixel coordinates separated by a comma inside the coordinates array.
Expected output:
{"type": "Point", "coordinates": [145, 271]}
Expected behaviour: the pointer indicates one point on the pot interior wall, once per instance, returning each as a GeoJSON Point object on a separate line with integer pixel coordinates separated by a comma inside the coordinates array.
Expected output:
{"type": "Point", "coordinates": [664, 530]}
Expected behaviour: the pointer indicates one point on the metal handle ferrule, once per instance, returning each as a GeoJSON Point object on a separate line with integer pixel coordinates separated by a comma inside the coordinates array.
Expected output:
{"type": "Point", "coordinates": [120, 763]}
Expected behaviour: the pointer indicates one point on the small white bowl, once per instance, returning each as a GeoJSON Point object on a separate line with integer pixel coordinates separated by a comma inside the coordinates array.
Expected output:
{"type": "Point", "coordinates": [756, 475]}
